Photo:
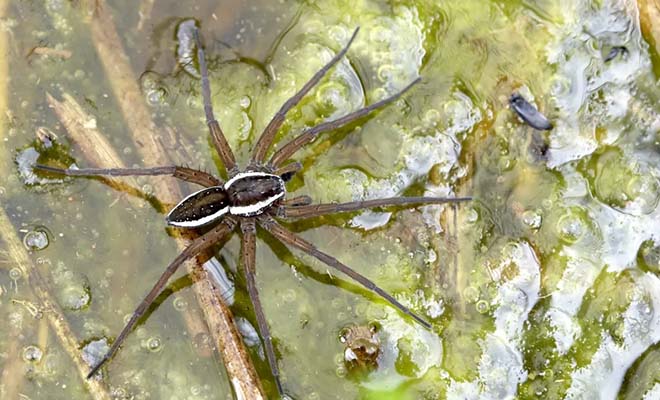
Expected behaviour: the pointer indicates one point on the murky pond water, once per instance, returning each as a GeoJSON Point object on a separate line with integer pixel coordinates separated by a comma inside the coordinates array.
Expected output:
{"type": "Point", "coordinates": [545, 285]}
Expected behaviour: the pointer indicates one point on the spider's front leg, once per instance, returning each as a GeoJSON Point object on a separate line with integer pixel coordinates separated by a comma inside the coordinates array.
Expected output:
{"type": "Point", "coordinates": [266, 138]}
{"type": "Point", "coordinates": [185, 174]}
{"type": "Point", "coordinates": [286, 151]}
{"type": "Point", "coordinates": [295, 211]}
{"type": "Point", "coordinates": [219, 139]}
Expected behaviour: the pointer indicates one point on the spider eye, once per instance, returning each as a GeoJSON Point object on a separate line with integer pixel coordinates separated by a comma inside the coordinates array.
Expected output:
{"type": "Point", "coordinates": [199, 208]}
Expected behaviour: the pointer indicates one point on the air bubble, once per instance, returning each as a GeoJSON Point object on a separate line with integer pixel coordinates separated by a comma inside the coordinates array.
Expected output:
{"type": "Point", "coordinates": [75, 296]}
{"type": "Point", "coordinates": [245, 102]}
{"type": "Point", "coordinates": [386, 72]}
{"type": "Point", "coordinates": [289, 295]}
{"type": "Point", "coordinates": [482, 307]}
{"type": "Point", "coordinates": [570, 227]}
{"type": "Point", "coordinates": [156, 96]}
{"type": "Point", "coordinates": [32, 354]}
{"type": "Point", "coordinates": [15, 274]}
{"type": "Point", "coordinates": [35, 240]}
{"type": "Point", "coordinates": [154, 344]}
{"type": "Point", "coordinates": [472, 216]}
{"type": "Point", "coordinates": [180, 304]}
{"type": "Point", "coordinates": [532, 219]}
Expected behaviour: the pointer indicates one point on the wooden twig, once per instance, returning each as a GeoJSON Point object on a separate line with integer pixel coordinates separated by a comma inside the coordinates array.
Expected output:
{"type": "Point", "coordinates": [48, 52]}
{"type": "Point", "coordinates": [137, 116]}
{"type": "Point", "coordinates": [49, 307]}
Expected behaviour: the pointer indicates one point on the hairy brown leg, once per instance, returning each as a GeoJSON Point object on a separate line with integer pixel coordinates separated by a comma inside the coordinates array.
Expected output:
{"type": "Point", "coordinates": [185, 174]}
{"type": "Point", "coordinates": [248, 252]}
{"type": "Point", "coordinates": [291, 239]}
{"type": "Point", "coordinates": [316, 210]}
{"type": "Point", "coordinates": [219, 139]}
{"type": "Point", "coordinates": [196, 246]}
{"type": "Point", "coordinates": [268, 135]}
{"type": "Point", "coordinates": [308, 135]}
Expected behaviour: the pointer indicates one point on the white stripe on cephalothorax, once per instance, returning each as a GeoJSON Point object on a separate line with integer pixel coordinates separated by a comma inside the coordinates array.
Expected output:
{"type": "Point", "coordinates": [199, 222]}
{"type": "Point", "coordinates": [256, 208]}
{"type": "Point", "coordinates": [248, 174]}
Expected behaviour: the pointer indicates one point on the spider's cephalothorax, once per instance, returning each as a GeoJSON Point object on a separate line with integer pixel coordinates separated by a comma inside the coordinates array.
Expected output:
{"type": "Point", "coordinates": [253, 198]}
{"type": "Point", "coordinates": [246, 194]}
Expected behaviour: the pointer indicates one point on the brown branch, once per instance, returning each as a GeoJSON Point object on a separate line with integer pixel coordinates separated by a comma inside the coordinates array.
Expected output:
{"type": "Point", "coordinates": [137, 116]}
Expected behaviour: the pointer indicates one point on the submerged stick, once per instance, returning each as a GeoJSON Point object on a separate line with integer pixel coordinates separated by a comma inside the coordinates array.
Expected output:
{"type": "Point", "coordinates": [137, 116]}
{"type": "Point", "coordinates": [49, 306]}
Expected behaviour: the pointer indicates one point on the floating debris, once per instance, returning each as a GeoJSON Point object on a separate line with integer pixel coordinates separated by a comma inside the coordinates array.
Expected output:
{"type": "Point", "coordinates": [615, 52]}
{"type": "Point", "coordinates": [362, 346]}
{"type": "Point", "coordinates": [528, 113]}
{"type": "Point", "coordinates": [46, 136]}
{"type": "Point", "coordinates": [219, 276]}
{"type": "Point", "coordinates": [26, 160]}
{"type": "Point", "coordinates": [186, 49]}
{"type": "Point", "coordinates": [93, 351]}
{"type": "Point", "coordinates": [63, 54]}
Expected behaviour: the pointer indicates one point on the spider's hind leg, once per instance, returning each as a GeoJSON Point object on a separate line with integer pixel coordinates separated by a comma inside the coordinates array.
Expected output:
{"type": "Point", "coordinates": [290, 239]}
{"type": "Point", "coordinates": [248, 253]}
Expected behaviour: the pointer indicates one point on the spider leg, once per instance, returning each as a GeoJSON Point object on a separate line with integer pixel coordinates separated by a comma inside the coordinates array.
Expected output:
{"type": "Point", "coordinates": [298, 201]}
{"type": "Point", "coordinates": [186, 174]}
{"type": "Point", "coordinates": [198, 245]}
{"type": "Point", "coordinates": [310, 134]}
{"type": "Point", "coordinates": [248, 250]}
{"type": "Point", "coordinates": [316, 210]}
{"type": "Point", "coordinates": [219, 140]}
{"type": "Point", "coordinates": [274, 125]}
{"type": "Point", "coordinates": [291, 239]}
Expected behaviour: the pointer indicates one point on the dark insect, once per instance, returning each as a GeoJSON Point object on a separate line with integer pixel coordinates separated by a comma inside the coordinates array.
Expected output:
{"type": "Point", "coordinates": [614, 52]}
{"type": "Point", "coordinates": [528, 113]}
{"type": "Point", "coordinates": [255, 197]}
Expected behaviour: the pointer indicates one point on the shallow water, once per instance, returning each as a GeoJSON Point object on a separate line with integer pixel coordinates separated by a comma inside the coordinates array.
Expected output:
{"type": "Point", "coordinates": [545, 285]}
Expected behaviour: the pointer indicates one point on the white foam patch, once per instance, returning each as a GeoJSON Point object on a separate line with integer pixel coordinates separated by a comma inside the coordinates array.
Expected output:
{"type": "Point", "coordinates": [419, 154]}
{"type": "Point", "coordinates": [501, 367]}
{"type": "Point", "coordinates": [583, 72]}
{"type": "Point", "coordinates": [653, 394]}
{"type": "Point", "coordinates": [602, 378]}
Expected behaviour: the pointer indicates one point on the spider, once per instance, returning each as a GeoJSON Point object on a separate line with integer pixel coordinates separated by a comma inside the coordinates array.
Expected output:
{"type": "Point", "coordinates": [255, 196]}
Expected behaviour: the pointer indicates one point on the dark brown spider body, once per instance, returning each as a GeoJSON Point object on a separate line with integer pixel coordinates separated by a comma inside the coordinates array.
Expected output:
{"type": "Point", "coordinates": [252, 193]}
{"type": "Point", "coordinates": [251, 199]}
{"type": "Point", "coordinates": [247, 194]}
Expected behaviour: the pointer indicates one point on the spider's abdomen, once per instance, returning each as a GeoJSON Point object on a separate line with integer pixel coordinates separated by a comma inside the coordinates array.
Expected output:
{"type": "Point", "coordinates": [200, 208]}
{"type": "Point", "coordinates": [251, 193]}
